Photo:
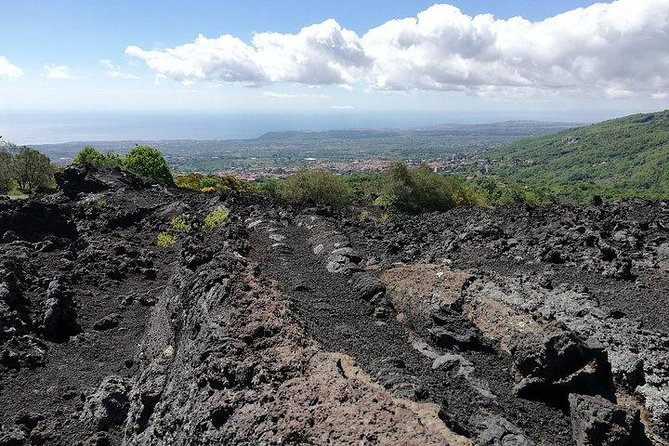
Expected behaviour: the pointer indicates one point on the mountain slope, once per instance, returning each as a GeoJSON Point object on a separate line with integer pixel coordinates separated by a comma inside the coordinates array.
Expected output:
{"type": "Point", "coordinates": [625, 157]}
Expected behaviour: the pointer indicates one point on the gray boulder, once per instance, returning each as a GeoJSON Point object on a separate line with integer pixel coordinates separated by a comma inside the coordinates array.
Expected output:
{"type": "Point", "coordinates": [108, 405]}
{"type": "Point", "coordinates": [598, 422]}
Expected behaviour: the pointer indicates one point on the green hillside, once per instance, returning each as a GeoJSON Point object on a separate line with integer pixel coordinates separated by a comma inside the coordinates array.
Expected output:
{"type": "Point", "coordinates": [625, 157]}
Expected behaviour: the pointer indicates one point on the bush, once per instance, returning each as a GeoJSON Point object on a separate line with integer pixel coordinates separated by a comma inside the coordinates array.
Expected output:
{"type": "Point", "coordinates": [318, 187]}
{"type": "Point", "coordinates": [32, 170]}
{"type": "Point", "coordinates": [211, 183]}
{"type": "Point", "coordinates": [166, 240]}
{"type": "Point", "coordinates": [216, 219]}
{"type": "Point", "coordinates": [149, 163]}
{"type": "Point", "coordinates": [497, 192]}
{"type": "Point", "coordinates": [92, 158]}
{"type": "Point", "coordinates": [179, 223]}
{"type": "Point", "coordinates": [6, 171]}
{"type": "Point", "coordinates": [422, 190]}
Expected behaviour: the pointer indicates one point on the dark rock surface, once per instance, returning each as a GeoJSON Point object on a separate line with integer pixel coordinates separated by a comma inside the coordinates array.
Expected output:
{"type": "Point", "coordinates": [514, 326]}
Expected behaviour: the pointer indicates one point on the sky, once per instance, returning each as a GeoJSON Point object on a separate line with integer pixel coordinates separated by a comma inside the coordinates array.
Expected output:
{"type": "Point", "coordinates": [542, 58]}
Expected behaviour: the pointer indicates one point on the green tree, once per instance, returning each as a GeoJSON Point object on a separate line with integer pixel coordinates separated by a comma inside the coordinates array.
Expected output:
{"type": "Point", "coordinates": [420, 189]}
{"type": "Point", "coordinates": [318, 187]}
{"type": "Point", "coordinates": [32, 170]}
{"type": "Point", "coordinates": [6, 171]}
{"type": "Point", "coordinates": [149, 163]}
{"type": "Point", "coordinates": [92, 158]}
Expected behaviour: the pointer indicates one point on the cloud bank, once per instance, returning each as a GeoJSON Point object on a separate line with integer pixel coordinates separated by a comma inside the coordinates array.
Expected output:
{"type": "Point", "coordinates": [618, 49]}
{"type": "Point", "coordinates": [9, 70]}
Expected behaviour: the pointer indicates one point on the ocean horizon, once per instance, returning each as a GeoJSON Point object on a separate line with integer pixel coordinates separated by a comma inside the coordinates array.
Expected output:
{"type": "Point", "coordinates": [53, 128]}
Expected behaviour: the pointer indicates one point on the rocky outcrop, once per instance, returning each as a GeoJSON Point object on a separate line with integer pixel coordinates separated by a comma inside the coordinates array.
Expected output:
{"type": "Point", "coordinates": [597, 421]}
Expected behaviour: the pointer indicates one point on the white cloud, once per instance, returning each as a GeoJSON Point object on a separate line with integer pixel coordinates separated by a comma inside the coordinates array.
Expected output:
{"type": "Point", "coordinates": [343, 107]}
{"type": "Point", "coordinates": [114, 71]}
{"type": "Point", "coordinates": [319, 54]}
{"type": "Point", "coordinates": [272, 94]}
{"type": "Point", "coordinates": [613, 50]}
{"type": "Point", "coordinates": [54, 71]}
{"type": "Point", "coordinates": [8, 69]}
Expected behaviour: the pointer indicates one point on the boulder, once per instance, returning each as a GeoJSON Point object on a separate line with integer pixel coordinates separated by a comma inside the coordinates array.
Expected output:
{"type": "Point", "coordinates": [108, 405]}
{"type": "Point", "coordinates": [552, 363]}
{"type": "Point", "coordinates": [59, 317]}
{"type": "Point", "coordinates": [598, 422]}
{"type": "Point", "coordinates": [76, 179]}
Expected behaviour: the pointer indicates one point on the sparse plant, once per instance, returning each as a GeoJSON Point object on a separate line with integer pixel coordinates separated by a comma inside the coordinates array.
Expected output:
{"type": "Point", "coordinates": [384, 217]}
{"type": "Point", "coordinates": [217, 218]}
{"type": "Point", "coordinates": [166, 240]}
{"type": "Point", "coordinates": [179, 223]}
{"type": "Point", "coordinates": [363, 216]}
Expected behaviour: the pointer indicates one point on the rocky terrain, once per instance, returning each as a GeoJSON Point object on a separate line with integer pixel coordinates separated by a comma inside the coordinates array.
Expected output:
{"type": "Point", "coordinates": [511, 326]}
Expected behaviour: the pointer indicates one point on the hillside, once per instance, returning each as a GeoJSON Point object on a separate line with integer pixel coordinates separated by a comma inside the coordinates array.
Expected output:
{"type": "Point", "coordinates": [625, 157]}
{"type": "Point", "coordinates": [126, 319]}
{"type": "Point", "coordinates": [289, 149]}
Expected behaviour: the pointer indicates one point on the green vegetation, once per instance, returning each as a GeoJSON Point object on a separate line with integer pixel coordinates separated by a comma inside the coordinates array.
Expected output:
{"type": "Point", "coordinates": [216, 219]}
{"type": "Point", "coordinates": [497, 192]}
{"type": "Point", "coordinates": [92, 158]}
{"type": "Point", "coordinates": [211, 183]}
{"type": "Point", "coordinates": [30, 170]}
{"type": "Point", "coordinates": [166, 240]}
{"type": "Point", "coordinates": [318, 187]}
{"type": "Point", "coordinates": [149, 163]}
{"type": "Point", "coordinates": [418, 189]}
{"type": "Point", "coordinates": [6, 171]}
{"type": "Point", "coordinates": [179, 223]}
{"type": "Point", "coordinates": [626, 157]}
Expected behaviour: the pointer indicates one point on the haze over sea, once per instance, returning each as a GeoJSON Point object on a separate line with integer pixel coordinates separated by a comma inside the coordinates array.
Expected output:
{"type": "Point", "coordinates": [48, 128]}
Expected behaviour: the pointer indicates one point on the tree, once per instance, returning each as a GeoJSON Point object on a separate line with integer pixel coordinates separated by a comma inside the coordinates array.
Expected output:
{"type": "Point", "coordinates": [318, 187]}
{"type": "Point", "coordinates": [6, 170]}
{"type": "Point", "coordinates": [149, 163]}
{"type": "Point", "coordinates": [32, 170]}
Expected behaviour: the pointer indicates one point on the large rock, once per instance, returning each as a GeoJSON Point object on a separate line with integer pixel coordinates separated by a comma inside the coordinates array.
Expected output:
{"type": "Point", "coordinates": [59, 317]}
{"type": "Point", "coordinates": [75, 180]}
{"type": "Point", "coordinates": [598, 422]}
{"type": "Point", "coordinates": [108, 405]}
{"type": "Point", "coordinates": [552, 363]}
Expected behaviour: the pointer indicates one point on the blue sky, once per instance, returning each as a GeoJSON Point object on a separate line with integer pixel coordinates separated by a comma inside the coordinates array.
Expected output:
{"type": "Point", "coordinates": [146, 56]}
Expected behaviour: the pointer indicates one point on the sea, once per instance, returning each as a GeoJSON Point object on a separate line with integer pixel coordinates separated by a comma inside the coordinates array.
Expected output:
{"type": "Point", "coordinates": [52, 128]}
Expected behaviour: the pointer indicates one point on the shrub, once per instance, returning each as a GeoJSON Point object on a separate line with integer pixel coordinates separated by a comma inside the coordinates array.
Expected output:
{"type": "Point", "coordinates": [32, 170]}
{"type": "Point", "coordinates": [149, 163]}
{"type": "Point", "coordinates": [422, 190]}
{"type": "Point", "coordinates": [179, 223]}
{"type": "Point", "coordinates": [6, 171]}
{"type": "Point", "coordinates": [217, 218]}
{"type": "Point", "coordinates": [318, 187]}
{"type": "Point", "coordinates": [91, 157]}
{"type": "Point", "coordinates": [210, 183]}
{"type": "Point", "coordinates": [166, 240]}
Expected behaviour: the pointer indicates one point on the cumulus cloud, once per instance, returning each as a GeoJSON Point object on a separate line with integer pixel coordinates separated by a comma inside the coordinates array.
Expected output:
{"type": "Point", "coordinates": [617, 50]}
{"type": "Point", "coordinates": [114, 71]}
{"type": "Point", "coordinates": [54, 71]}
{"type": "Point", "coordinates": [319, 54]}
{"type": "Point", "coordinates": [8, 69]}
